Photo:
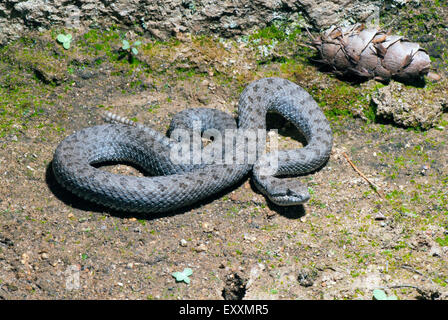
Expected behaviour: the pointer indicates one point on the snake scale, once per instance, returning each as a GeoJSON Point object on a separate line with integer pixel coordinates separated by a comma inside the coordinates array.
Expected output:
{"type": "Point", "coordinates": [171, 185]}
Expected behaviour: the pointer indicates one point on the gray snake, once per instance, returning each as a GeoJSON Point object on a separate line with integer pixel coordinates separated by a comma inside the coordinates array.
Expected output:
{"type": "Point", "coordinates": [172, 185]}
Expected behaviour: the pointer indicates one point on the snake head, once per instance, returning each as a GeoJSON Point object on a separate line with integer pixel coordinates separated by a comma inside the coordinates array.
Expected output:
{"type": "Point", "coordinates": [287, 191]}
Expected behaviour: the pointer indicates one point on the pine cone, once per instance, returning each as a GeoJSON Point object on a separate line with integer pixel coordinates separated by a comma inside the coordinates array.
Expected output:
{"type": "Point", "coordinates": [371, 53]}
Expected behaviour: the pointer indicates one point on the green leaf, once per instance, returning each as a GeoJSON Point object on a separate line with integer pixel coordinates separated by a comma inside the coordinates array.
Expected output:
{"type": "Point", "coordinates": [183, 276]}
{"type": "Point", "coordinates": [379, 294]}
{"type": "Point", "coordinates": [62, 38]}
{"type": "Point", "coordinates": [137, 43]}
{"type": "Point", "coordinates": [188, 272]}
{"type": "Point", "coordinates": [134, 51]}
{"type": "Point", "coordinates": [65, 39]}
{"type": "Point", "coordinates": [126, 45]}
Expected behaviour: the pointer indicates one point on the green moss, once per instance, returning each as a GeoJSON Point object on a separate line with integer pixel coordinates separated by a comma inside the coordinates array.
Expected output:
{"type": "Point", "coordinates": [98, 42]}
{"type": "Point", "coordinates": [28, 54]}
{"type": "Point", "coordinates": [442, 241]}
{"type": "Point", "coordinates": [424, 25]}
{"type": "Point", "coordinates": [186, 73]}
{"type": "Point", "coordinates": [340, 100]}
{"type": "Point", "coordinates": [280, 31]}
{"type": "Point", "coordinates": [441, 282]}
{"type": "Point", "coordinates": [20, 103]}
{"type": "Point", "coordinates": [45, 60]}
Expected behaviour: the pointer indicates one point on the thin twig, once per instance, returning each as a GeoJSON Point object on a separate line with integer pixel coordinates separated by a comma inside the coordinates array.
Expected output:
{"type": "Point", "coordinates": [425, 292]}
{"type": "Point", "coordinates": [398, 286]}
{"type": "Point", "coordinates": [412, 269]}
{"type": "Point", "coordinates": [309, 34]}
{"type": "Point", "coordinates": [374, 186]}
{"type": "Point", "coordinates": [307, 46]}
{"type": "Point", "coordinates": [390, 23]}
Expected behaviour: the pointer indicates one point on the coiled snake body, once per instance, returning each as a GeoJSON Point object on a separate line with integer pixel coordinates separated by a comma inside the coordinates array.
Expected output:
{"type": "Point", "coordinates": [172, 185]}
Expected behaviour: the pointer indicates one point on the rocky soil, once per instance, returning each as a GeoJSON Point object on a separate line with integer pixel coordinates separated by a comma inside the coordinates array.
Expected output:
{"type": "Point", "coordinates": [377, 219]}
{"type": "Point", "coordinates": [163, 19]}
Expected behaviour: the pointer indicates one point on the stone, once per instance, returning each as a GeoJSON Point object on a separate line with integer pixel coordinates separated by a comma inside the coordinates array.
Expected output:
{"type": "Point", "coordinates": [380, 216]}
{"type": "Point", "coordinates": [201, 248]}
{"type": "Point", "coordinates": [306, 277]}
{"type": "Point", "coordinates": [408, 106]}
{"type": "Point", "coordinates": [207, 227]}
{"type": "Point", "coordinates": [167, 18]}
{"type": "Point", "coordinates": [435, 251]}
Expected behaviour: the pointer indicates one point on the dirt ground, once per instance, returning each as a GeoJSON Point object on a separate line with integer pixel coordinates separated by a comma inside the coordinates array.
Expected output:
{"type": "Point", "coordinates": [345, 242]}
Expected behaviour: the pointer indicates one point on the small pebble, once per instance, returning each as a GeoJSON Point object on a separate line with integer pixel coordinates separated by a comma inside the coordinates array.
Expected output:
{"type": "Point", "coordinates": [424, 169]}
{"type": "Point", "coordinates": [25, 258]}
{"type": "Point", "coordinates": [249, 237]}
{"type": "Point", "coordinates": [306, 277]}
{"type": "Point", "coordinates": [44, 255]}
{"type": "Point", "coordinates": [130, 265]}
{"type": "Point", "coordinates": [207, 227]}
{"type": "Point", "coordinates": [435, 252]}
{"type": "Point", "coordinates": [380, 216]}
{"type": "Point", "coordinates": [201, 248]}
{"type": "Point", "coordinates": [233, 197]}
{"type": "Point", "coordinates": [183, 242]}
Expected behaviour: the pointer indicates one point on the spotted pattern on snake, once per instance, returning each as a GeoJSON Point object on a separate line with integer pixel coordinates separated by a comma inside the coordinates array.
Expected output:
{"type": "Point", "coordinates": [170, 185]}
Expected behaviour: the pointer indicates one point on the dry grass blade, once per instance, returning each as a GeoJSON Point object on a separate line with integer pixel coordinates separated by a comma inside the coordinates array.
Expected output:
{"type": "Point", "coordinates": [374, 186]}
